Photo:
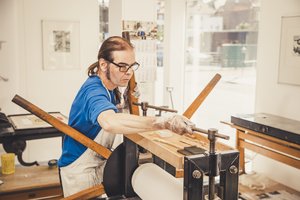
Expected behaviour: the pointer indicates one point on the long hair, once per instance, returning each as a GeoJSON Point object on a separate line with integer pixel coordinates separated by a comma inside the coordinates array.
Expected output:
{"type": "Point", "coordinates": [111, 44]}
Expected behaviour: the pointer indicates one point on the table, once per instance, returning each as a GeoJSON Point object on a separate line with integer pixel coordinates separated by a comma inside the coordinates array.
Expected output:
{"type": "Point", "coordinates": [269, 135]}
{"type": "Point", "coordinates": [35, 182]}
{"type": "Point", "coordinates": [22, 127]}
{"type": "Point", "coordinates": [31, 129]}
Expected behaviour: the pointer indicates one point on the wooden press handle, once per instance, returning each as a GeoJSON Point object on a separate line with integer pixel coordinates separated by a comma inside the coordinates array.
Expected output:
{"type": "Point", "coordinates": [89, 193]}
{"type": "Point", "coordinates": [201, 97]}
{"type": "Point", "coordinates": [61, 126]}
{"type": "Point", "coordinates": [133, 108]}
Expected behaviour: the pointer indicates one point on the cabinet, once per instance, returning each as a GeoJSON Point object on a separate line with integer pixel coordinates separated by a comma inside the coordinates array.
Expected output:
{"type": "Point", "coordinates": [35, 182]}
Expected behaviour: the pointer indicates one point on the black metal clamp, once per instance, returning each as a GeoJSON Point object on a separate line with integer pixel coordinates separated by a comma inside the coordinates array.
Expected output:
{"type": "Point", "coordinates": [213, 164]}
{"type": "Point", "coordinates": [145, 105]}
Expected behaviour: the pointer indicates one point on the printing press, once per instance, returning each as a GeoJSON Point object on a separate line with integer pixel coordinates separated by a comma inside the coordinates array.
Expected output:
{"type": "Point", "coordinates": [186, 162]}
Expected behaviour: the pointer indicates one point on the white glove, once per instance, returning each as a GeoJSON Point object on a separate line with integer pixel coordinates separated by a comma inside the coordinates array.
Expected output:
{"type": "Point", "coordinates": [176, 123]}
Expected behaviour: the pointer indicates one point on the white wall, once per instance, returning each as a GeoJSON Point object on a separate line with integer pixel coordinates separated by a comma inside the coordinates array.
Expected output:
{"type": "Point", "coordinates": [8, 54]}
{"type": "Point", "coordinates": [271, 97]}
{"type": "Point", "coordinates": [55, 90]}
{"type": "Point", "coordinates": [174, 52]}
{"type": "Point", "coordinates": [21, 60]}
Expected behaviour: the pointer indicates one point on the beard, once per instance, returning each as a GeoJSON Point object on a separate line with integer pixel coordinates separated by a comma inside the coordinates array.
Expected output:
{"type": "Point", "coordinates": [108, 73]}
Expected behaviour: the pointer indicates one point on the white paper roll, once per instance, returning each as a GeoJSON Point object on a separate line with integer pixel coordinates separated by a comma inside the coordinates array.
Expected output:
{"type": "Point", "coordinates": [151, 182]}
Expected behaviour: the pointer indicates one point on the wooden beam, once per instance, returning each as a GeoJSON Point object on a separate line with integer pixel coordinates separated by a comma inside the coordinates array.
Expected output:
{"type": "Point", "coordinates": [166, 147]}
{"type": "Point", "coordinates": [271, 154]}
{"type": "Point", "coordinates": [87, 194]}
{"type": "Point", "coordinates": [273, 145]}
{"type": "Point", "coordinates": [61, 126]}
{"type": "Point", "coordinates": [133, 109]}
{"type": "Point", "coordinates": [202, 96]}
{"type": "Point", "coordinates": [270, 138]}
{"type": "Point", "coordinates": [241, 150]}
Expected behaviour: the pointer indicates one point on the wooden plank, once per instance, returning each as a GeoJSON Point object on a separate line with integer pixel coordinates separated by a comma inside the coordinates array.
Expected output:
{"type": "Point", "coordinates": [179, 173]}
{"type": "Point", "coordinates": [61, 126]}
{"type": "Point", "coordinates": [89, 193]}
{"type": "Point", "coordinates": [241, 150]}
{"type": "Point", "coordinates": [270, 138]}
{"type": "Point", "coordinates": [202, 96]}
{"type": "Point", "coordinates": [166, 148]}
{"type": "Point", "coordinates": [162, 150]}
{"type": "Point", "coordinates": [133, 109]}
{"type": "Point", "coordinates": [276, 146]}
{"type": "Point", "coordinates": [271, 154]}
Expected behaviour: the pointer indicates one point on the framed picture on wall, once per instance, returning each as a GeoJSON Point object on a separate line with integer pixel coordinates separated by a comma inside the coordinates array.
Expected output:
{"type": "Point", "coordinates": [289, 59]}
{"type": "Point", "coordinates": [60, 45]}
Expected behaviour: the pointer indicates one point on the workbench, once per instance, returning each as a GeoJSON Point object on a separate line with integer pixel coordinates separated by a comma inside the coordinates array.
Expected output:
{"type": "Point", "coordinates": [165, 145]}
{"type": "Point", "coordinates": [269, 135]}
{"type": "Point", "coordinates": [35, 182]}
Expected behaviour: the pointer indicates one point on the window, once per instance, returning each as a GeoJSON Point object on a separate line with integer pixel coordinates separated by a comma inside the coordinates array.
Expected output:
{"type": "Point", "coordinates": [221, 37]}
{"type": "Point", "coordinates": [103, 19]}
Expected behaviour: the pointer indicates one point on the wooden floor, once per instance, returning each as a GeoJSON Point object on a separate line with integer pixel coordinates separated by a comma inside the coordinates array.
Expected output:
{"type": "Point", "coordinates": [257, 187]}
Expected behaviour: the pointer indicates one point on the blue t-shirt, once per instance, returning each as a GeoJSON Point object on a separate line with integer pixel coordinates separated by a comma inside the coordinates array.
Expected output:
{"type": "Point", "coordinates": [92, 99]}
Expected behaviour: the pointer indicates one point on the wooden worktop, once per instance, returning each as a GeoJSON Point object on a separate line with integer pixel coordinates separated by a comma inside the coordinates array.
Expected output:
{"type": "Point", "coordinates": [27, 178]}
{"type": "Point", "coordinates": [164, 144]}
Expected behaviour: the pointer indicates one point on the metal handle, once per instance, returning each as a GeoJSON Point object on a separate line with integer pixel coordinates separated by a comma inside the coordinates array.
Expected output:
{"type": "Point", "coordinates": [225, 137]}
{"type": "Point", "coordinates": [154, 107]}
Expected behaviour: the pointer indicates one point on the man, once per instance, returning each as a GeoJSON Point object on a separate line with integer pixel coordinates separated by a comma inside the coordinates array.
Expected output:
{"type": "Point", "coordinates": [94, 113]}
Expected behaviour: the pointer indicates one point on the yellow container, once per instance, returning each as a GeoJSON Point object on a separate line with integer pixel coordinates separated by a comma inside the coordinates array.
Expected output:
{"type": "Point", "coordinates": [8, 163]}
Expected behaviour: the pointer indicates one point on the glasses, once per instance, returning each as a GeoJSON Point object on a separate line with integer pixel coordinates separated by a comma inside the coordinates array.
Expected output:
{"type": "Point", "coordinates": [124, 67]}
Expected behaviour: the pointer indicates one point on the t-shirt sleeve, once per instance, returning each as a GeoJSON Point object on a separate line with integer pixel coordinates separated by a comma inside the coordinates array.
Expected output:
{"type": "Point", "coordinates": [98, 101]}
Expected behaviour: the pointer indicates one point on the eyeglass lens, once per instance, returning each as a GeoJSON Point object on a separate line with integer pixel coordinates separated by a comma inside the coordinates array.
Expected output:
{"type": "Point", "coordinates": [134, 67]}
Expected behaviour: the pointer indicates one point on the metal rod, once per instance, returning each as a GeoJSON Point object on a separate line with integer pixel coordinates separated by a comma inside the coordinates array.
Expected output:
{"type": "Point", "coordinates": [171, 98]}
{"type": "Point", "coordinates": [156, 107]}
{"type": "Point", "coordinates": [212, 141]}
{"type": "Point", "coordinates": [225, 137]}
